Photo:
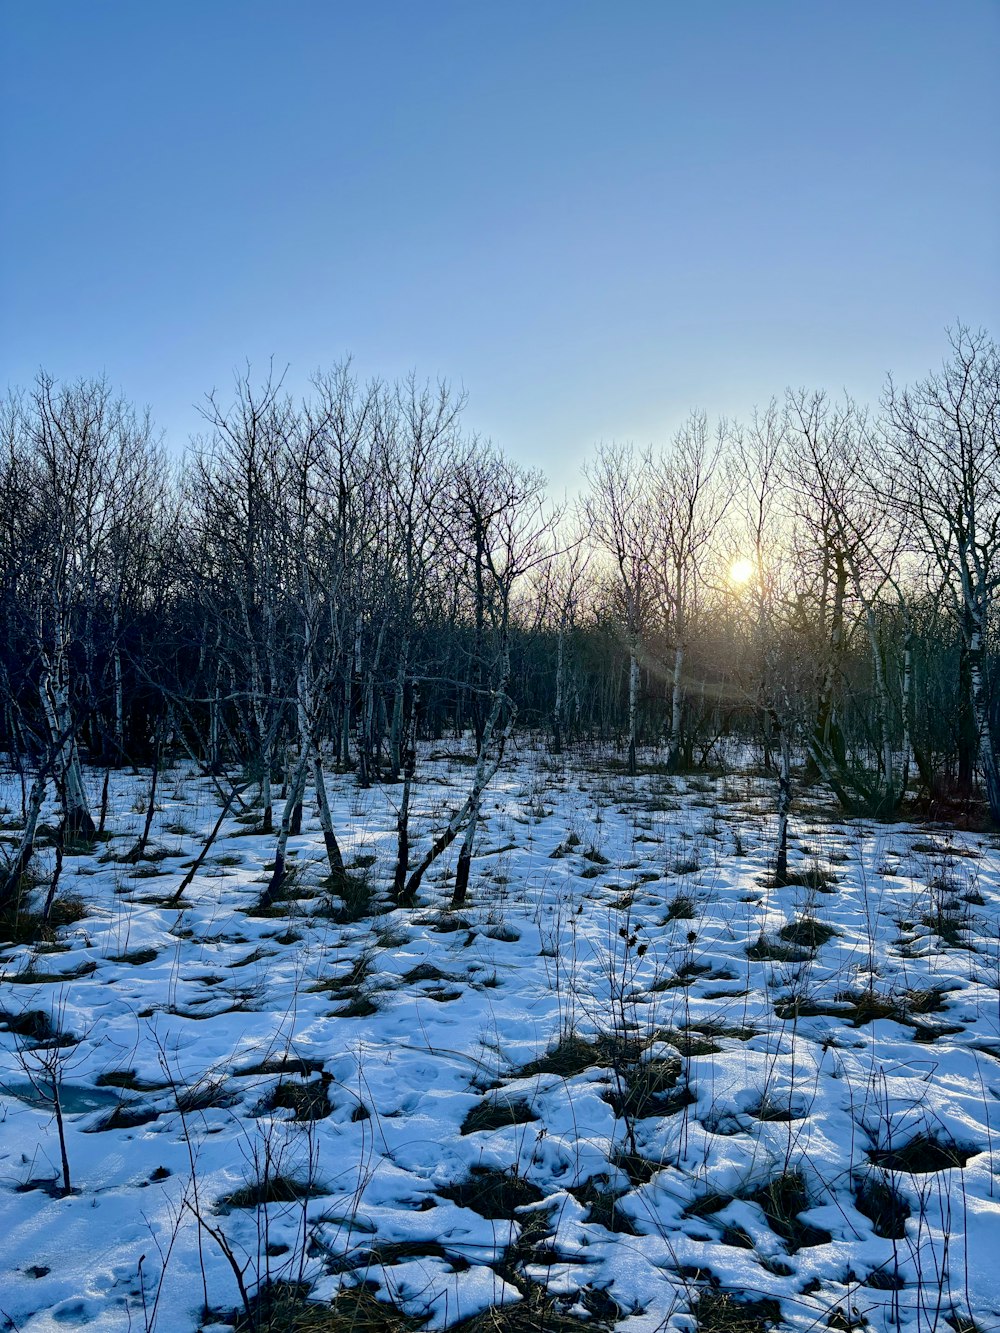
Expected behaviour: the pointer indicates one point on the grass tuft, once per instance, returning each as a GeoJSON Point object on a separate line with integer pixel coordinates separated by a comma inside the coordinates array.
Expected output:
{"type": "Point", "coordinates": [492, 1193]}
{"type": "Point", "coordinates": [308, 1101]}
{"type": "Point", "coordinates": [884, 1206]}
{"type": "Point", "coordinates": [781, 1201]}
{"type": "Point", "coordinates": [286, 1307]}
{"type": "Point", "coordinates": [720, 1312]}
{"type": "Point", "coordinates": [601, 1199]}
{"type": "Point", "coordinates": [273, 1189]}
{"type": "Point", "coordinates": [808, 932]}
{"type": "Point", "coordinates": [497, 1113]}
{"type": "Point", "coordinates": [923, 1154]}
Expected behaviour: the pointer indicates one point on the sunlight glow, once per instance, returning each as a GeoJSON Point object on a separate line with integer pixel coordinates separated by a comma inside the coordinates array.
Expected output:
{"type": "Point", "coordinates": [741, 570]}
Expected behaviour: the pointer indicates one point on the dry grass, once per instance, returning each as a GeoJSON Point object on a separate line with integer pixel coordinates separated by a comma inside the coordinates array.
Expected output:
{"type": "Point", "coordinates": [273, 1189]}
{"type": "Point", "coordinates": [497, 1113]}
{"type": "Point", "coordinates": [492, 1193]}
{"type": "Point", "coordinates": [285, 1307]}
{"type": "Point", "coordinates": [720, 1312]}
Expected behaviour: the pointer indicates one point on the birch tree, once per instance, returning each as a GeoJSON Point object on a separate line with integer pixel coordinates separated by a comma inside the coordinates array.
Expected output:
{"type": "Point", "coordinates": [417, 441]}
{"type": "Point", "coordinates": [690, 492]}
{"type": "Point", "coordinates": [768, 667]}
{"type": "Point", "coordinates": [341, 419]}
{"type": "Point", "coordinates": [236, 488]}
{"type": "Point", "coordinates": [500, 531]}
{"type": "Point", "coordinates": [90, 461]}
{"type": "Point", "coordinates": [834, 450]}
{"type": "Point", "coordinates": [561, 592]}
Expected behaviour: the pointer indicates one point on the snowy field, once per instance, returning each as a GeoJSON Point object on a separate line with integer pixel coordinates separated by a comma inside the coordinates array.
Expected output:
{"type": "Point", "coordinates": [631, 1085]}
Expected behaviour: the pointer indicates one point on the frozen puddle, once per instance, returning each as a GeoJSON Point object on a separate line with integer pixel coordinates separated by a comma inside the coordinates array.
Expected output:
{"type": "Point", "coordinates": [74, 1098]}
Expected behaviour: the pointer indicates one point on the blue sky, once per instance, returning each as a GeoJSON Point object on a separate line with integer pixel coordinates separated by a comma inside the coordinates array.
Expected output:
{"type": "Point", "coordinates": [594, 216]}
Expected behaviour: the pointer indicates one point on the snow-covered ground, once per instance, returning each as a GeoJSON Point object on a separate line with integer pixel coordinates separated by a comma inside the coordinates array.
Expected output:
{"type": "Point", "coordinates": [629, 1072]}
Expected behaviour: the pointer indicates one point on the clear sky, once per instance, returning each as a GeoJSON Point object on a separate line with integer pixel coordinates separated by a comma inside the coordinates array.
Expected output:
{"type": "Point", "coordinates": [594, 216]}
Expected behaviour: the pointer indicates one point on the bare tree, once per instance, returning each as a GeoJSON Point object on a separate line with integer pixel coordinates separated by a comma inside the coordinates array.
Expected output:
{"type": "Point", "coordinates": [236, 492]}
{"type": "Point", "coordinates": [346, 516]}
{"type": "Point", "coordinates": [832, 474]}
{"type": "Point", "coordinates": [946, 442]}
{"type": "Point", "coordinates": [559, 594]}
{"type": "Point", "coordinates": [417, 442]}
{"type": "Point", "coordinates": [499, 530]}
{"type": "Point", "coordinates": [691, 489]}
{"type": "Point", "coordinates": [90, 470]}
{"type": "Point", "coordinates": [619, 518]}
{"type": "Point", "coordinates": [760, 460]}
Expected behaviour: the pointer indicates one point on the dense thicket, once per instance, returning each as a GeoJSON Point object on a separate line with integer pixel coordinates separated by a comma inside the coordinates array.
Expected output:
{"type": "Point", "coordinates": [319, 583]}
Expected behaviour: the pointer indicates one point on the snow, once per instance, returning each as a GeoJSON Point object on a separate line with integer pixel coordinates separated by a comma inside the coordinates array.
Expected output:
{"type": "Point", "coordinates": [576, 924]}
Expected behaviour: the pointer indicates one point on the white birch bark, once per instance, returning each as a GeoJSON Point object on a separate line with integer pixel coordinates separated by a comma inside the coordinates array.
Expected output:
{"type": "Point", "coordinates": [119, 707]}
{"type": "Point", "coordinates": [907, 705]}
{"type": "Point", "coordinates": [677, 705]}
{"type": "Point", "coordinates": [557, 711]}
{"type": "Point", "coordinates": [986, 751]}
{"type": "Point", "coordinates": [633, 703]}
{"type": "Point", "coordinates": [55, 704]}
{"type": "Point", "coordinates": [11, 883]}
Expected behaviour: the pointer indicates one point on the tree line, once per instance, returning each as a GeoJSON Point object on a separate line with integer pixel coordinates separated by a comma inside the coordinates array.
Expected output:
{"type": "Point", "coordinates": [319, 583]}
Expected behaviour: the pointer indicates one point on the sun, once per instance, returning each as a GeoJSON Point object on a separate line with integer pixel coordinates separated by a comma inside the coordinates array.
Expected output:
{"type": "Point", "coordinates": [741, 570]}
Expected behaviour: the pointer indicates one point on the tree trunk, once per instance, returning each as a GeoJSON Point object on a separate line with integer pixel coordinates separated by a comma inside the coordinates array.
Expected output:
{"type": "Point", "coordinates": [633, 704]}
{"type": "Point", "coordinates": [907, 710]}
{"type": "Point", "coordinates": [76, 813]}
{"type": "Point", "coordinates": [980, 703]}
{"type": "Point", "coordinates": [892, 795]}
{"type": "Point", "coordinates": [119, 710]}
{"type": "Point", "coordinates": [484, 772]}
{"type": "Point", "coordinates": [345, 720]}
{"type": "Point", "coordinates": [139, 850]}
{"type": "Point", "coordinates": [676, 708]}
{"type": "Point", "coordinates": [12, 881]}
{"type": "Point", "coordinates": [50, 896]}
{"type": "Point", "coordinates": [396, 731]}
{"type": "Point", "coordinates": [967, 738]}
{"type": "Point", "coordinates": [333, 854]}
{"type": "Point", "coordinates": [214, 746]}
{"type": "Point", "coordinates": [267, 822]}
{"type": "Point", "coordinates": [479, 677]}
{"type": "Point", "coordinates": [784, 801]}
{"type": "Point", "coordinates": [464, 867]}
{"type": "Point", "coordinates": [557, 711]}
{"type": "Point", "coordinates": [296, 787]}
{"type": "Point", "coordinates": [409, 760]}
{"type": "Point", "coordinates": [827, 735]}
{"type": "Point", "coordinates": [105, 793]}
{"type": "Point", "coordinates": [61, 1130]}
{"type": "Point", "coordinates": [366, 730]}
